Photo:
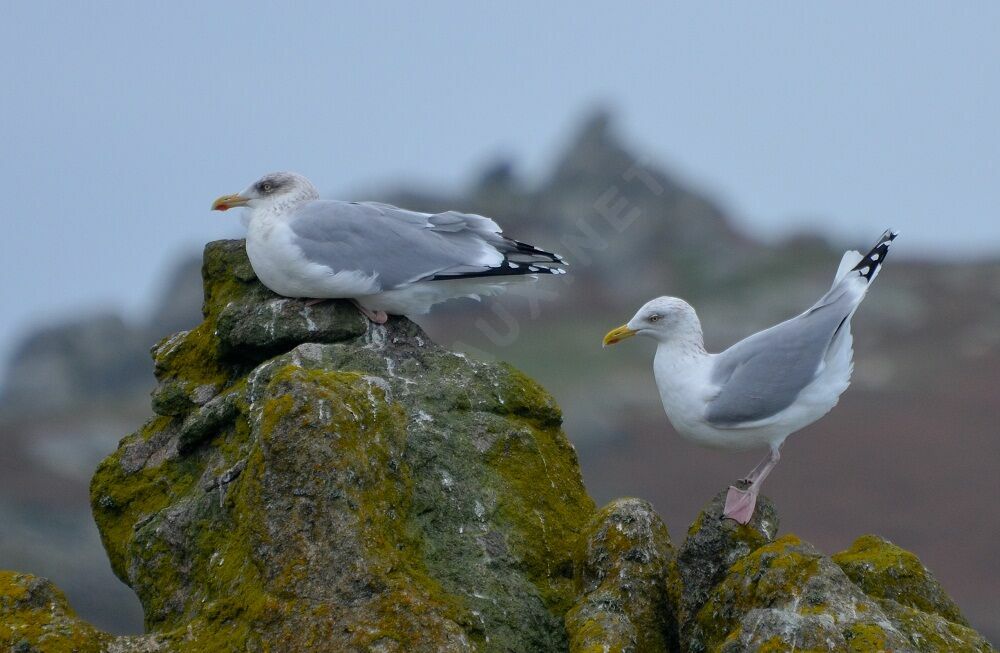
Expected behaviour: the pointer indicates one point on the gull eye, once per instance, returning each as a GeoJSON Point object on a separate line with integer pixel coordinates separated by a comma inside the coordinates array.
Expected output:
{"type": "Point", "coordinates": [266, 187]}
{"type": "Point", "coordinates": [654, 318]}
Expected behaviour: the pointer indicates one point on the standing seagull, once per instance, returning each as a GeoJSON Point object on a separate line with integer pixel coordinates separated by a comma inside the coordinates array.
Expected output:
{"type": "Point", "coordinates": [763, 388]}
{"type": "Point", "coordinates": [385, 259]}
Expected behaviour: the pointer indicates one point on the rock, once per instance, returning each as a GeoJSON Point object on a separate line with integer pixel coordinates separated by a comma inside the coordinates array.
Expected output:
{"type": "Point", "coordinates": [712, 545]}
{"type": "Point", "coordinates": [910, 596]}
{"type": "Point", "coordinates": [623, 570]}
{"type": "Point", "coordinates": [931, 633]}
{"type": "Point", "coordinates": [885, 571]}
{"type": "Point", "coordinates": [787, 595]}
{"type": "Point", "coordinates": [340, 487]}
{"type": "Point", "coordinates": [35, 617]}
{"type": "Point", "coordinates": [256, 330]}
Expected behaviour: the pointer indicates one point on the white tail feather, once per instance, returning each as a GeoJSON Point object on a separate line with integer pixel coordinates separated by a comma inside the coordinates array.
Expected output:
{"type": "Point", "coordinates": [851, 258]}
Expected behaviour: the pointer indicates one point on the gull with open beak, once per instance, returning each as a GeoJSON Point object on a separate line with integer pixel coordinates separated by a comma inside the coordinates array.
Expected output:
{"type": "Point", "coordinates": [765, 387]}
{"type": "Point", "coordinates": [387, 260]}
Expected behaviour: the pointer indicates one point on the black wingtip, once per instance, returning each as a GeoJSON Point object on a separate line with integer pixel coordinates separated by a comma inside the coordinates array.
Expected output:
{"type": "Point", "coordinates": [531, 254]}
{"type": "Point", "coordinates": [507, 268]}
{"type": "Point", "coordinates": [870, 263]}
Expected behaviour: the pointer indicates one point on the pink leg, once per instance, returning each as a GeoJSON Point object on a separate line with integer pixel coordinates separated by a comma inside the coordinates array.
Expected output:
{"type": "Point", "coordinates": [752, 476]}
{"type": "Point", "coordinates": [740, 504]}
{"type": "Point", "coordinates": [378, 317]}
{"type": "Point", "coordinates": [313, 302]}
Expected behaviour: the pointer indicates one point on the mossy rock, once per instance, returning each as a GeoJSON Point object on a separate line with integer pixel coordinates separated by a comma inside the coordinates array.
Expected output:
{"type": "Point", "coordinates": [712, 545]}
{"type": "Point", "coordinates": [623, 569]}
{"type": "Point", "coordinates": [35, 617]}
{"type": "Point", "coordinates": [885, 571]}
{"type": "Point", "coordinates": [786, 594]}
{"type": "Point", "coordinates": [929, 632]}
{"type": "Point", "coordinates": [910, 596]}
{"type": "Point", "coordinates": [314, 482]}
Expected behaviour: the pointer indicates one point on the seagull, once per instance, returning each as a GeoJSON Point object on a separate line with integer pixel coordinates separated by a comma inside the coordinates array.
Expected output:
{"type": "Point", "coordinates": [765, 387]}
{"type": "Point", "coordinates": [387, 260]}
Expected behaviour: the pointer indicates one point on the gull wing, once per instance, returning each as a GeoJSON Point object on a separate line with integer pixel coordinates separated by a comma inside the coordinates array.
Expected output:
{"type": "Point", "coordinates": [762, 375]}
{"type": "Point", "coordinates": [403, 247]}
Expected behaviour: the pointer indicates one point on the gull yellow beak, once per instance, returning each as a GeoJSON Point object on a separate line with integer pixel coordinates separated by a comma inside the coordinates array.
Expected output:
{"type": "Point", "coordinates": [227, 202]}
{"type": "Point", "coordinates": [619, 334]}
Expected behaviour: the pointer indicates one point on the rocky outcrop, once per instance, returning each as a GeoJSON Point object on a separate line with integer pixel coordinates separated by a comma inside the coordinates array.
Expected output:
{"type": "Point", "coordinates": [34, 616]}
{"type": "Point", "coordinates": [712, 546]}
{"type": "Point", "coordinates": [311, 482]}
{"type": "Point", "coordinates": [743, 590]}
{"type": "Point", "coordinates": [624, 572]}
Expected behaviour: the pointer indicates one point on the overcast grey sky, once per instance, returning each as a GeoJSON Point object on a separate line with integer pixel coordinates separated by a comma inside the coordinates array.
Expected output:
{"type": "Point", "coordinates": [120, 122]}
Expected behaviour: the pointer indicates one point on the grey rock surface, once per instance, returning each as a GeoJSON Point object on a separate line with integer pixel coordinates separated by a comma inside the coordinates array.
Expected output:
{"type": "Point", "coordinates": [712, 546]}
{"type": "Point", "coordinates": [624, 570]}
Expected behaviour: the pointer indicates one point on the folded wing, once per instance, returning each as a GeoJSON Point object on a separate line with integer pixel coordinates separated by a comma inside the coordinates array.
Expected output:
{"type": "Point", "coordinates": [402, 247]}
{"type": "Point", "coordinates": [762, 375]}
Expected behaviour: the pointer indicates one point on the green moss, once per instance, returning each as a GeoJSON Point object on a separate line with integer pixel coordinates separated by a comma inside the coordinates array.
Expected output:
{"type": "Point", "coordinates": [227, 274]}
{"type": "Point", "coordinates": [864, 638]}
{"type": "Point", "coordinates": [409, 602]}
{"type": "Point", "coordinates": [622, 563]}
{"type": "Point", "coordinates": [192, 359]}
{"type": "Point", "coordinates": [13, 590]}
{"type": "Point", "coordinates": [233, 443]}
{"type": "Point", "coordinates": [885, 571]}
{"type": "Point", "coordinates": [598, 634]}
{"type": "Point", "coordinates": [235, 604]}
{"type": "Point", "coordinates": [793, 566]}
{"type": "Point", "coordinates": [34, 615]}
{"type": "Point", "coordinates": [773, 570]}
{"type": "Point", "coordinates": [121, 500]}
{"type": "Point", "coordinates": [189, 361]}
{"type": "Point", "coordinates": [696, 525]}
{"type": "Point", "coordinates": [932, 633]}
{"type": "Point", "coordinates": [543, 500]}
{"type": "Point", "coordinates": [524, 397]}
{"type": "Point", "coordinates": [780, 645]}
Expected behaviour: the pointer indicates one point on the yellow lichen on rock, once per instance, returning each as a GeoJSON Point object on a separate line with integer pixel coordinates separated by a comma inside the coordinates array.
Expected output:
{"type": "Point", "coordinates": [34, 616]}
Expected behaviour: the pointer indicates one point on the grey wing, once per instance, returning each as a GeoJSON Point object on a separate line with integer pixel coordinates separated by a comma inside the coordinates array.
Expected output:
{"type": "Point", "coordinates": [397, 245]}
{"type": "Point", "coordinates": [517, 257]}
{"type": "Point", "coordinates": [762, 375]}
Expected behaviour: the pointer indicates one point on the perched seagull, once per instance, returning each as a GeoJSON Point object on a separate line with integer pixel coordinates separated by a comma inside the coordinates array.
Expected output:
{"type": "Point", "coordinates": [385, 259]}
{"type": "Point", "coordinates": [763, 388]}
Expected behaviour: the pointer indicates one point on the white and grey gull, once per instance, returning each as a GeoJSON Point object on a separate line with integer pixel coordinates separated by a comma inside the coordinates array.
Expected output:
{"type": "Point", "coordinates": [765, 387]}
{"type": "Point", "coordinates": [386, 259]}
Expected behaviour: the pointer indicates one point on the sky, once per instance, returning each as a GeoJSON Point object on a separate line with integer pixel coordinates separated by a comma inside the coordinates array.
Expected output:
{"type": "Point", "coordinates": [120, 122]}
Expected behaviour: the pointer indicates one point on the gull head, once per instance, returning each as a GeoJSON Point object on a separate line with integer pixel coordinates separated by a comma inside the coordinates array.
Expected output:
{"type": "Point", "coordinates": [273, 191]}
{"type": "Point", "coordinates": [664, 319]}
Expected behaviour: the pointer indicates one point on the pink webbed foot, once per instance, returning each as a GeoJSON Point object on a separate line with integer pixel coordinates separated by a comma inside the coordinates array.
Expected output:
{"type": "Point", "coordinates": [378, 317]}
{"type": "Point", "coordinates": [313, 302]}
{"type": "Point", "coordinates": [740, 504]}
